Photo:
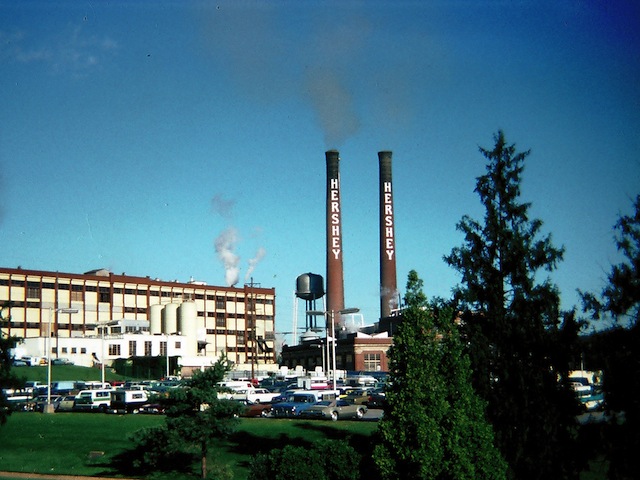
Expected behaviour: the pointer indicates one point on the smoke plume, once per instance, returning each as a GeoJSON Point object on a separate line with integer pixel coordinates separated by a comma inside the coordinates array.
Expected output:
{"type": "Point", "coordinates": [225, 245]}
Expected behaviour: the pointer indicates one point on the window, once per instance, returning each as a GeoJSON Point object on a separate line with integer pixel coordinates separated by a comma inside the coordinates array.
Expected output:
{"type": "Point", "coordinates": [147, 349]}
{"type": "Point", "coordinates": [163, 349]}
{"type": "Point", "coordinates": [104, 296]}
{"type": "Point", "coordinates": [83, 350]}
{"type": "Point", "coordinates": [33, 292]}
{"type": "Point", "coordinates": [132, 348]}
{"type": "Point", "coordinates": [220, 321]}
{"type": "Point", "coordinates": [64, 349]}
{"type": "Point", "coordinates": [178, 345]}
{"type": "Point", "coordinates": [77, 296]}
{"type": "Point", "coordinates": [74, 350]}
{"type": "Point", "coordinates": [240, 339]}
{"type": "Point", "coordinates": [372, 362]}
{"type": "Point", "coordinates": [114, 349]}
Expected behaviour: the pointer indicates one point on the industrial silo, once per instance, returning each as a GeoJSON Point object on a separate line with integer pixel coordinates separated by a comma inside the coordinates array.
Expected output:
{"type": "Point", "coordinates": [187, 322]}
{"type": "Point", "coordinates": [170, 318]}
{"type": "Point", "coordinates": [155, 319]}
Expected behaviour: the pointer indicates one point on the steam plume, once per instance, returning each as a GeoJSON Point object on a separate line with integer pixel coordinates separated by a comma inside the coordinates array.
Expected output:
{"type": "Point", "coordinates": [225, 245]}
{"type": "Point", "coordinates": [254, 261]}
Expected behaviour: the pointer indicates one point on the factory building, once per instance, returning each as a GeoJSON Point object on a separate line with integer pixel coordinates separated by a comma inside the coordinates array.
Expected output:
{"type": "Point", "coordinates": [102, 314]}
{"type": "Point", "coordinates": [361, 349]}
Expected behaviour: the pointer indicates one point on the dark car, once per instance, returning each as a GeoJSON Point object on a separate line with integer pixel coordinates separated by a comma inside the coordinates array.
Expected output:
{"type": "Point", "coordinates": [358, 396]}
{"type": "Point", "coordinates": [293, 405]}
{"type": "Point", "coordinates": [377, 399]}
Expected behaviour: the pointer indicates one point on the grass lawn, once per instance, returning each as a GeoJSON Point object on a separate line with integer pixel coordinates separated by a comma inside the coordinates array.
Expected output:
{"type": "Point", "coordinates": [63, 373]}
{"type": "Point", "coordinates": [89, 443]}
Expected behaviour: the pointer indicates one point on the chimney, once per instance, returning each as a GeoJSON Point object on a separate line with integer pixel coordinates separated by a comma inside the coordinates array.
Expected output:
{"type": "Point", "coordinates": [388, 282]}
{"type": "Point", "coordinates": [335, 280]}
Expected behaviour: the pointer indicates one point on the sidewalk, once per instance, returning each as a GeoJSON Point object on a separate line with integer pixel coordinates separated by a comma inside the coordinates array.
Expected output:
{"type": "Point", "coordinates": [57, 477]}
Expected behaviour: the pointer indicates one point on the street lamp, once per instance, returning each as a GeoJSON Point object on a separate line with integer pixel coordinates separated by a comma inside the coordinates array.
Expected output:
{"type": "Point", "coordinates": [49, 407]}
{"type": "Point", "coordinates": [331, 314]}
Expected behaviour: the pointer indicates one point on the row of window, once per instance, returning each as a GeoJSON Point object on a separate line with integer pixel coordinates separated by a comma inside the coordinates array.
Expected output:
{"type": "Point", "coordinates": [221, 317]}
{"type": "Point", "coordinates": [34, 290]}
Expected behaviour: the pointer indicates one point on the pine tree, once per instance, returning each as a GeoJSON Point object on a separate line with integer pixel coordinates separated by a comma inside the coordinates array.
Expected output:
{"type": "Point", "coordinates": [620, 346]}
{"type": "Point", "coordinates": [195, 416]}
{"type": "Point", "coordinates": [513, 323]}
{"type": "Point", "coordinates": [434, 426]}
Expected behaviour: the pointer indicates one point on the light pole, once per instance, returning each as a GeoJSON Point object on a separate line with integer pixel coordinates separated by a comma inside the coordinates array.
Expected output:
{"type": "Point", "coordinates": [48, 408]}
{"type": "Point", "coordinates": [330, 314]}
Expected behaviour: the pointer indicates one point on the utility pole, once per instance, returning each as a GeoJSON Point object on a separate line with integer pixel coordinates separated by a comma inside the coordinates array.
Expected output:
{"type": "Point", "coordinates": [251, 314]}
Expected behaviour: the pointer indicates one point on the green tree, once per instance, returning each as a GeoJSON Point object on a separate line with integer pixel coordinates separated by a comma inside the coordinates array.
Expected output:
{"type": "Point", "coordinates": [434, 426]}
{"type": "Point", "coordinates": [618, 348]}
{"type": "Point", "coordinates": [195, 416]}
{"type": "Point", "coordinates": [513, 324]}
{"type": "Point", "coordinates": [7, 379]}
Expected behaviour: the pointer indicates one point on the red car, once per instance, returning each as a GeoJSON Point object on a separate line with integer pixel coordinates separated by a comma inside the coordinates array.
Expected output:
{"type": "Point", "coordinates": [254, 409]}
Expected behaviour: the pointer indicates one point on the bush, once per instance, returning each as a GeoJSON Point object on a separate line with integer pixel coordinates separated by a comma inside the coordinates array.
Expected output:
{"type": "Point", "coordinates": [328, 460]}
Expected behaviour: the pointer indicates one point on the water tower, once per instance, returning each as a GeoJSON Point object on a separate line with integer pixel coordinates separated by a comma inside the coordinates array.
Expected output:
{"type": "Point", "coordinates": [310, 288]}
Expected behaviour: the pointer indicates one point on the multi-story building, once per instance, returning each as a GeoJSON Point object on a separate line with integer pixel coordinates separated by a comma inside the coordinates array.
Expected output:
{"type": "Point", "coordinates": [207, 320]}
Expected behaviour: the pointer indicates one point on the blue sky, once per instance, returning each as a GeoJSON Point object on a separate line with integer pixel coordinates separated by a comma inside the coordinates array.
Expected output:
{"type": "Point", "coordinates": [134, 135]}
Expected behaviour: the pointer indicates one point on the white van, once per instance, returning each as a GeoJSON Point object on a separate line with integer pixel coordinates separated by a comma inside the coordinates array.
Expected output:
{"type": "Point", "coordinates": [128, 401]}
{"type": "Point", "coordinates": [88, 400]}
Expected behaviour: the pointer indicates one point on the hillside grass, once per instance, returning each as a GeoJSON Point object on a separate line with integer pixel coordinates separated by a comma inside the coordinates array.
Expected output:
{"type": "Point", "coordinates": [64, 373]}
{"type": "Point", "coordinates": [95, 444]}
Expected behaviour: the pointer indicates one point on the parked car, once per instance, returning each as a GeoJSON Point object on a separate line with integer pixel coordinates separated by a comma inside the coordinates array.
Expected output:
{"type": "Point", "coordinates": [66, 403]}
{"type": "Point", "coordinates": [377, 399]}
{"type": "Point", "coordinates": [152, 409]}
{"type": "Point", "coordinates": [358, 396]}
{"type": "Point", "coordinates": [254, 395]}
{"type": "Point", "coordinates": [40, 401]}
{"type": "Point", "coordinates": [334, 410]}
{"type": "Point", "coordinates": [19, 363]}
{"type": "Point", "coordinates": [128, 401]}
{"type": "Point", "coordinates": [93, 400]}
{"type": "Point", "coordinates": [293, 405]}
{"type": "Point", "coordinates": [61, 361]}
{"type": "Point", "coordinates": [254, 409]}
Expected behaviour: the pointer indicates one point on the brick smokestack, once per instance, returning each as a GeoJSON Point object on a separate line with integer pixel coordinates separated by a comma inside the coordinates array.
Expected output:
{"type": "Point", "coordinates": [335, 279]}
{"type": "Point", "coordinates": [388, 281]}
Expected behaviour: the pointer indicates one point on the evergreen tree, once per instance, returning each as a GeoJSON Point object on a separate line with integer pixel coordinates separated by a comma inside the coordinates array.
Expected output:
{"type": "Point", "coordinates": [434, 426]}
{"type": "Point", "coordinates": [619, 347]}
{"type": "Point", "coordinates": [513, 324]}
{"type": "Point", "coordinates": [195, 416]}
{"type": "Point", "coordinates": [621, 295]}
{"type": "Point", "coordinates": [7, 379]}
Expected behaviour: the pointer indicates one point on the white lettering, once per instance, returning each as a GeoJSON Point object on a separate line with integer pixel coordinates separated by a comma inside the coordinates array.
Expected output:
{"type": "Point", "coordinates": [336, 253]}
{"type": "Point", "coordinates": [390, 254]}
{"type": "Point", "coordinates": [386, 186]}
